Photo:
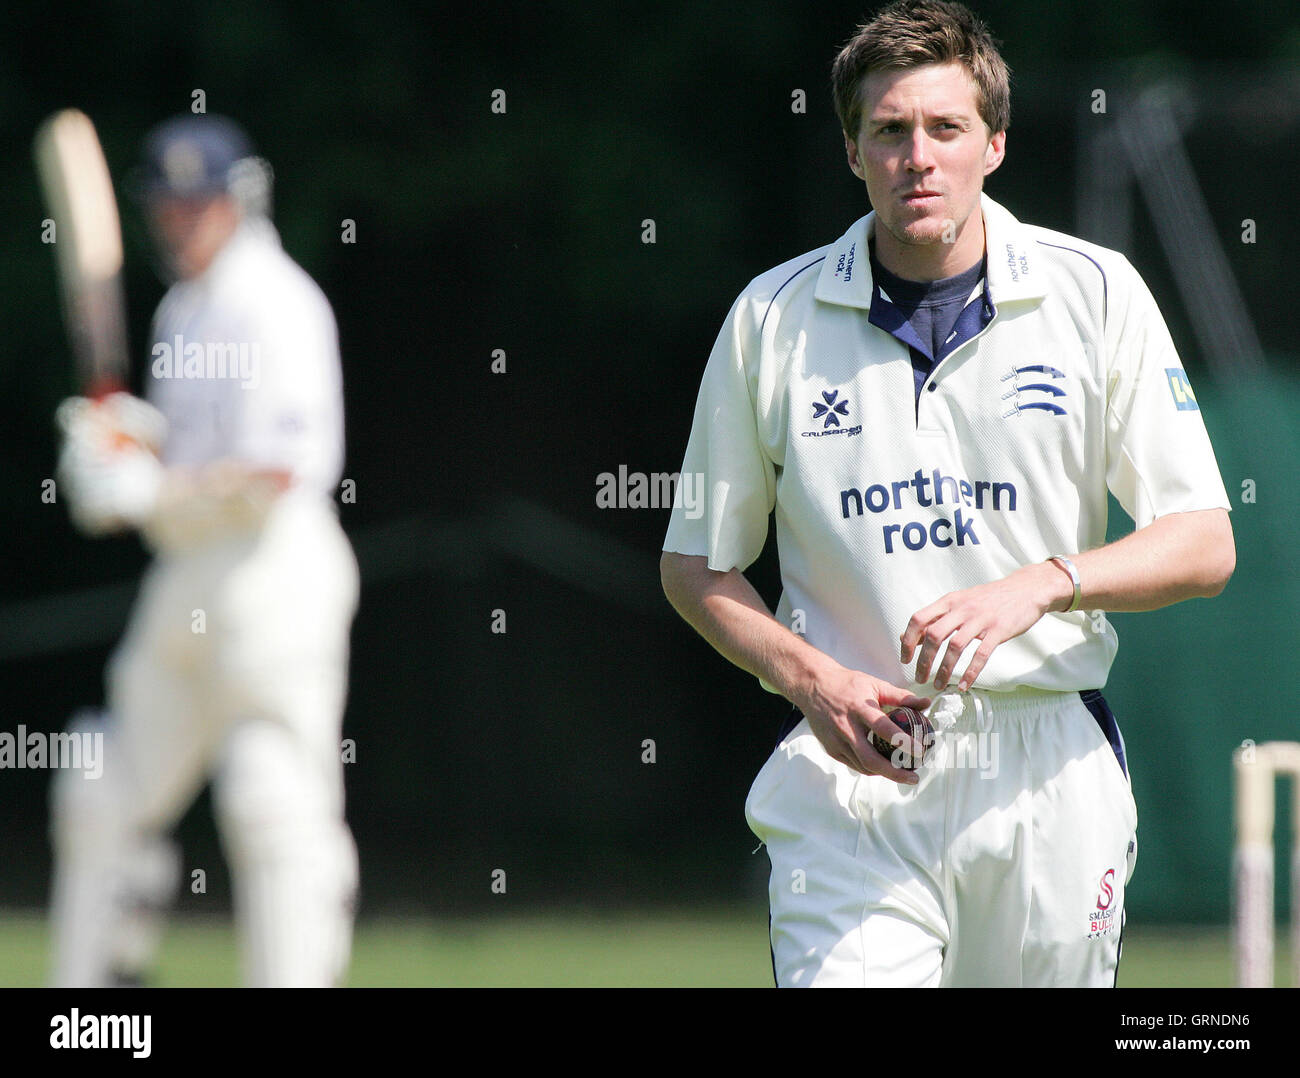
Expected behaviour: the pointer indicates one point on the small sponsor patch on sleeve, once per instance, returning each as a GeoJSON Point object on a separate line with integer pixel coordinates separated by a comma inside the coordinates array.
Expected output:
{"type": "Point", "coordinates": [1181, 388]}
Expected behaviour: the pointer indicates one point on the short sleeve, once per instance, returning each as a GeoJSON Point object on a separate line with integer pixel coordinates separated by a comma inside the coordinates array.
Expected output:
{"type": "Point", "coordinates": [1158, 455]}
{"type": "Point", "coordinates": [292, 415]}
{"type": "Point", "coordinates": [727, 485]}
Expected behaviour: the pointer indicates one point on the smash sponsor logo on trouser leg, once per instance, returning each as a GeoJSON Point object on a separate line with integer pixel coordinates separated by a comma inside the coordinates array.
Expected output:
{"type": "Point", "coordinates": [1104, 920]}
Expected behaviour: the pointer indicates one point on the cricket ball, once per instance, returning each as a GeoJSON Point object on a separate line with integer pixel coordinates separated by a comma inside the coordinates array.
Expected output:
{"type": "Point", "coordinates": [913, 723]}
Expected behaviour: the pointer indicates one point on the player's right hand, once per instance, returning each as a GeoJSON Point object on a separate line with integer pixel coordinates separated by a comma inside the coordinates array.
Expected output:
{"type": "Point", "coordinates": [844, 706]}
{"type": "Point", "coordinates": [112, 420]}
{"type": "Point", "coordinates": [107, 472]}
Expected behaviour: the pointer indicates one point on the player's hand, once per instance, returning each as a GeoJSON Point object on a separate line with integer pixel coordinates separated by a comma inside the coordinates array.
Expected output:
{"type": "Point", "coordinates": [221, 498]}
{"type": "Point", "coordinates": [844, 706]}
{"type": "Point", "coordinates": [109, 477]}
{"type": "Point", "coordinates": [990, 613]}
{"type": "Point", "coordinates": [133, 419]}
{"type": "Point", "coordinates": [112, 421]}
{"type": "Point", "coordinates": [243, 486]}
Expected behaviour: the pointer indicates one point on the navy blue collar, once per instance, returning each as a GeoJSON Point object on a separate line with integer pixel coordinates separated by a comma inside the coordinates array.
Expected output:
{"type": "Point", "coordinates": [977, 314]}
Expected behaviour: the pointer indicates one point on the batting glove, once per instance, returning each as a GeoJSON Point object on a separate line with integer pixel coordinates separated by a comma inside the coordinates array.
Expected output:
{"type": "Point", "coordinates": [107, 470]}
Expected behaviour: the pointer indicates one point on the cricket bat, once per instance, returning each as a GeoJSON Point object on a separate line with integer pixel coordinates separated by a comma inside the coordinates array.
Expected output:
{"type": "Point", "coordinates": [88, 245]}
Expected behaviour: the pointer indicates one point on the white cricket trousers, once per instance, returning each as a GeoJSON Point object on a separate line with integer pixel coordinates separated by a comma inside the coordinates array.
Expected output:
{"type": "Point", "coordinates": [1004, 866]}
{"type": "Point", "coordinates": [233, 668]}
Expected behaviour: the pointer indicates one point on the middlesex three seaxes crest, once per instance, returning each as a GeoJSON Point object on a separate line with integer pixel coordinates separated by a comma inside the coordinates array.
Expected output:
{"type": "Point", "coordinates": [1019, 407]}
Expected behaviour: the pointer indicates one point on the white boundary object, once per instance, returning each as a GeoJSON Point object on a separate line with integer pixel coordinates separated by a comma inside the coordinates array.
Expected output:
{"type": "Point", "coordinates": [1256, 769]}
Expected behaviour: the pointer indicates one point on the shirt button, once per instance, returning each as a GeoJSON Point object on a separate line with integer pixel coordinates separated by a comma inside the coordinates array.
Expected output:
{"type": "Point", "coordinates": [934, 386]}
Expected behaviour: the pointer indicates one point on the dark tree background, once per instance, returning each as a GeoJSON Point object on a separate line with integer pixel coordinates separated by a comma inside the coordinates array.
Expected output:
{"type": "Point", "coordinates": [475, 492]}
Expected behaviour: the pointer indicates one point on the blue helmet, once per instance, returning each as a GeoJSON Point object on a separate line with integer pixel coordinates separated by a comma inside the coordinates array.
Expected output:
{"type": "Point", "coordinates": [196, 156]}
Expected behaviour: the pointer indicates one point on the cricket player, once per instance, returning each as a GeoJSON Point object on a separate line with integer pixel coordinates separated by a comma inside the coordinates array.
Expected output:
{"type": "Point", "coordinates": [935, 405]}
{"type": "Point", "coordinates": [233, 667]}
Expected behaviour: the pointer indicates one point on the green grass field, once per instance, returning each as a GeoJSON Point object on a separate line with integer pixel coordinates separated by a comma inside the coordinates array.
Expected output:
{"type": "Point", "coordinates": [710, 948]}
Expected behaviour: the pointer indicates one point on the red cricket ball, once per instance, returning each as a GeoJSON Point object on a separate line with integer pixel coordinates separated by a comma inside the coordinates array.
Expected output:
{"type": "Point", "coordinates": [913, 723]}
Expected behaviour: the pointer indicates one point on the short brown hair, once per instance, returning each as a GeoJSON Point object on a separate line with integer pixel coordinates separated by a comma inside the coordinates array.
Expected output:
{"type": "Point", "coordinates": [911, 33]}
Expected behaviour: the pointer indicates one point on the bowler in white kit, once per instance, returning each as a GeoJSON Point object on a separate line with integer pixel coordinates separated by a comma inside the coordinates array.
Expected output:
{"type": "Point", "coordinates": [935, 406]}
{"type": "Point", "coordinates": [234, 665]}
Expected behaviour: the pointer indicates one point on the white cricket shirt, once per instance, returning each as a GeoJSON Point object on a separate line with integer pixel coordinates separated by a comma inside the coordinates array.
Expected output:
{"type": "Point", "coordinates": [1069, 386]}
{"type": "Point", "coordinates": [245, 365]}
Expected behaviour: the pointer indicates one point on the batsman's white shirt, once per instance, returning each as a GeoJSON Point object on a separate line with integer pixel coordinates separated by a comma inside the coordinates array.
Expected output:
{"type": "Point", "coordinates": [882, 504]}
{"type": "Point", "coordinates": [245, 365]}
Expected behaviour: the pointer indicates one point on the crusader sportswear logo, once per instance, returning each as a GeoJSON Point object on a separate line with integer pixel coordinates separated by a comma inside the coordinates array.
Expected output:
{"type": "Point", "coordinates": [1019, 405]}
{"type": "Point", "coordinates": [831, 409]}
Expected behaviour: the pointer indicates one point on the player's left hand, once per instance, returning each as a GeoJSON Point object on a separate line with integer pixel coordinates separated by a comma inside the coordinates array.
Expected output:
{"type": "Point", "coordinates": [990, 613]}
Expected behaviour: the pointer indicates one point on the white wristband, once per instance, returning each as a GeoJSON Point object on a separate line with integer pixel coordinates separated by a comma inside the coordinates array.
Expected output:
{"type": "Point", "coordinates": [1068, 566]}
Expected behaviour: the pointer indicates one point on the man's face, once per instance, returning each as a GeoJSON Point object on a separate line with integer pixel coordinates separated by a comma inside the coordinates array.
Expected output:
{"type": "Point", "coordinates": [191, 231]}
{"type": "Point", "coordinates": [923, 152]}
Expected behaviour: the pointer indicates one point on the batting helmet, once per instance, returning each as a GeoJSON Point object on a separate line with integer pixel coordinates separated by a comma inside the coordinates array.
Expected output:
{"type": "Point", "coordinates": [197, 156]}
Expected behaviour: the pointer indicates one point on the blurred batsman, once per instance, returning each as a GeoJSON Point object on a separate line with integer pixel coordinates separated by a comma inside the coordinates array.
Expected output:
{"type": "Point", "coordinates": [234, 664]}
